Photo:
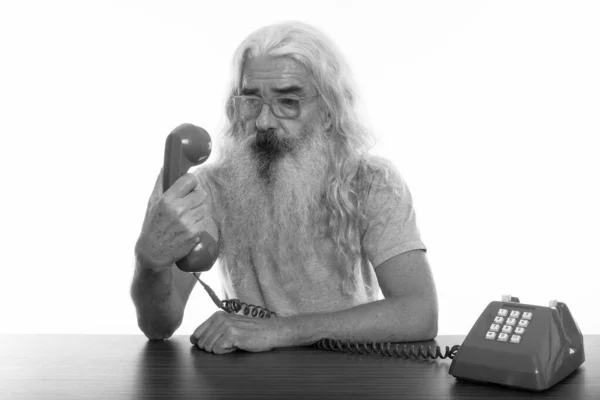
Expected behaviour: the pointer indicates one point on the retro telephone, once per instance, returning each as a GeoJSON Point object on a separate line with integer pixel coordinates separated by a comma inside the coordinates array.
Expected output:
{"type": "Point", "coordinates": [511, 344]}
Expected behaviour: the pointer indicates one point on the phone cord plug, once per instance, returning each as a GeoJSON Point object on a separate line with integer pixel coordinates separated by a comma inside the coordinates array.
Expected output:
{"type": "Point", "coordinates": [234, 306]}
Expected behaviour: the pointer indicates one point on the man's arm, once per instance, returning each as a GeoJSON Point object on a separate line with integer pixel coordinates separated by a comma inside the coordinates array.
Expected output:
{"type": "Point", "coordinates": [160, 299]}
{"type": "Point", "coordinates": [160, 292]}
{"type": "Point", "coordinates": [409, 311]}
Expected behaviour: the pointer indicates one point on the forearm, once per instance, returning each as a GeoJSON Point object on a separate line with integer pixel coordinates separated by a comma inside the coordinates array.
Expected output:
{"type": "Point", "coordinates": [158, 305]}
{"type": "Point", "coordinates": [388, 320]}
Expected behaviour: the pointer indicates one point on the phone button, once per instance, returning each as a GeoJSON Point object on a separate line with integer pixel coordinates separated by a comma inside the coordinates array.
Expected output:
{"type": "Point", "coordinates": [502, 312]}
{"type": "Point", "coordinates": [495, 327]}
{"type": "Point", "coordinates": [520, 330]}
{"type": "Point", "coordinates": [503, 337]}
{"type": "Point", "coordinates": [507, 328]}
{"type": "Point", "coordinates": [515, 314]}
{"type": "Point", "coordinates": [511, 321]}
{"type": "Point", "coordinates": [523, 323]}
{"type": "Point", "coordinates": [515, 339]}
{"type": "Point", "coordinates": [498, 320]}
{"type": "Point", "coordinates": [527, 315]}
{"type": "Point", "coordinates": [490, 335]}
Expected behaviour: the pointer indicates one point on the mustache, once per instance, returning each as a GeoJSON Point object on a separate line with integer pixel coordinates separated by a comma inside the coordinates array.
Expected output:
{"type": "Point", "coordinates": [268, 149]}
{"type": "Point", "coordinates": [267, 141]}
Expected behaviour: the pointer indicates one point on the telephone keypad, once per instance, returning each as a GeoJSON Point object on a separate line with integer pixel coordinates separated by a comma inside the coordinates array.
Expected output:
{"type": "Point", "coordinates": [506, 328]}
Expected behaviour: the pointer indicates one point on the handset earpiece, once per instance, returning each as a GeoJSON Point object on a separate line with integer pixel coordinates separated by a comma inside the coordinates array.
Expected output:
{"type": "Point", "coordinates": [189, 146]}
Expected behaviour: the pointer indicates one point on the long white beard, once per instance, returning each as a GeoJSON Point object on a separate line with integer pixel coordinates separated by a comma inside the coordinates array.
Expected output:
{"type": "Point", "coordinates": [271, 206]}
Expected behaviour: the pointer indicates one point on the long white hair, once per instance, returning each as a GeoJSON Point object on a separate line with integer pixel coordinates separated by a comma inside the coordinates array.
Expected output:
{"type": "Point", "coordinates": [352, 167]}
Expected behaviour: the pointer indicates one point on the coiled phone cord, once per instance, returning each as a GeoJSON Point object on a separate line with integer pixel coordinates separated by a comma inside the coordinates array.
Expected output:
{"type": "Point", "coordinates": [234, 306]}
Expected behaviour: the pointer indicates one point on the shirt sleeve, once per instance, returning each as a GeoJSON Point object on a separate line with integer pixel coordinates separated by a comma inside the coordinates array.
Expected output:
{"type": "Point", "coordinates": [391, 221]}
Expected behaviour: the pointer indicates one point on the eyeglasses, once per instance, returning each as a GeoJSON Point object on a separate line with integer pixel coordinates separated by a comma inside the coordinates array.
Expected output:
{"type": "Point", "coordinates": [286, 107]}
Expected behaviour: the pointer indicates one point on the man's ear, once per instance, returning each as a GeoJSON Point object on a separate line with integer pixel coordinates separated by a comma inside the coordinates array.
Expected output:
{"type": "Point", "coordinates": [326, 120]}
{"type": "Point", "coordinates": [328, 124]}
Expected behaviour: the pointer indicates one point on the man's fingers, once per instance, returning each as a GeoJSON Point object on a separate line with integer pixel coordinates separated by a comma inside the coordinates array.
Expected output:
{"type": "Point", "coordinates": [224, 346]}
{"type": "Point", "coordinates": [196, 197]}
{"type": "Point", "coordinates": [210, 338]}
{"type": "Point", "coordinates": [204, 327]}
{"type": "Point", "coordinates": [199, 331]}
{"type": "Point", "coordinates": [207, 224]}
{"type": "Point", "coordinates": [221, 341]}
{"type": "Point", "coordinates": [184, 185]}
{"type": "Point", "coordinates": [198, 213]}
{"type": "Point", "coordinates": [215, 335]}
{"type": "Point", "coordinates": [195, 220]}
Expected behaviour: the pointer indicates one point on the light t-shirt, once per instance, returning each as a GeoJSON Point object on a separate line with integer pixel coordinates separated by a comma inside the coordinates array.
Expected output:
{"type": "Point", "coordinates": [391, 230]}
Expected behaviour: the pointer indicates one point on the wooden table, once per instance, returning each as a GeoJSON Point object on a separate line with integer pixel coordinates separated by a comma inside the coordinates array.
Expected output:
{"type": "Point", "coordinates": [111, 367]}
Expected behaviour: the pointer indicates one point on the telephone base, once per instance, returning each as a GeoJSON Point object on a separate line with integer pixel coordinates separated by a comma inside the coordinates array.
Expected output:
{"type": "Point", "coordinates": [521, 346]}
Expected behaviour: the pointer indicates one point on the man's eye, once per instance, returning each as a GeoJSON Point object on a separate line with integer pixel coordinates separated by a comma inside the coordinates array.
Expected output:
{"type": "Point", "coordinates": [253, 102]}
{"type": "Point", "coordinates": [288, 102]}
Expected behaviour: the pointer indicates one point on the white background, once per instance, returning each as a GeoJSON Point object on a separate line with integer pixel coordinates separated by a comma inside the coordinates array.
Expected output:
{"type": "Point", "coordinates": [490, 110]}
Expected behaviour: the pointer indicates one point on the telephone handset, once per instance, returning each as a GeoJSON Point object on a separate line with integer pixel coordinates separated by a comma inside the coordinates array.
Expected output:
{"type": "Point", "coordinates": [189, 146]}
{"type": "Point", "coordinates": [512, 344]}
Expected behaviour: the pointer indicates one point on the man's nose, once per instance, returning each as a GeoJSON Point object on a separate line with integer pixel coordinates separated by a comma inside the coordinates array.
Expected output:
{"type": "Point", "coordinates": [266, 119]}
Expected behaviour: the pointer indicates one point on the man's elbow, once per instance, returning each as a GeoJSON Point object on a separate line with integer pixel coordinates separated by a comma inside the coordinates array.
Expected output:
{"type": "Point", "coordinates": [426, 331]}
{"type": "Point", "coordinates": [429, 329]}
{"type": "Point", "coordinates": [158, 333]}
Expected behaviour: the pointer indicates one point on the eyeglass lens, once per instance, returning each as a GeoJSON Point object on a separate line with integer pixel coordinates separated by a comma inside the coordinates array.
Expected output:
{"type": "Point", "coordinates": [282, 107]}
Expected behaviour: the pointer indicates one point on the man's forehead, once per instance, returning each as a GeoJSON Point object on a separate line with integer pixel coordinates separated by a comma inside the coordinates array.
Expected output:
{"type": "Point", "coordinates": [274, 72]}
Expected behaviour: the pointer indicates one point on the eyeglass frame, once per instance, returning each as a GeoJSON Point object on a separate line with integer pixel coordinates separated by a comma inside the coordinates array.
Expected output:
{"type": "Point", "coordinates": [269, 102]}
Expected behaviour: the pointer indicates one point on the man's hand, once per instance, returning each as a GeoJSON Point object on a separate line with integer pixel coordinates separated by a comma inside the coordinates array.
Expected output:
{"type": "Point", "coordinates": [173, 223]}
{"type": "Point", "coordinates": [223, 333]}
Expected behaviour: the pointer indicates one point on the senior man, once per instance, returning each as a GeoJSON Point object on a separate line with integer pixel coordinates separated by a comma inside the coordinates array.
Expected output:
{"type": "Point", "coordinates": [310, 224]}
